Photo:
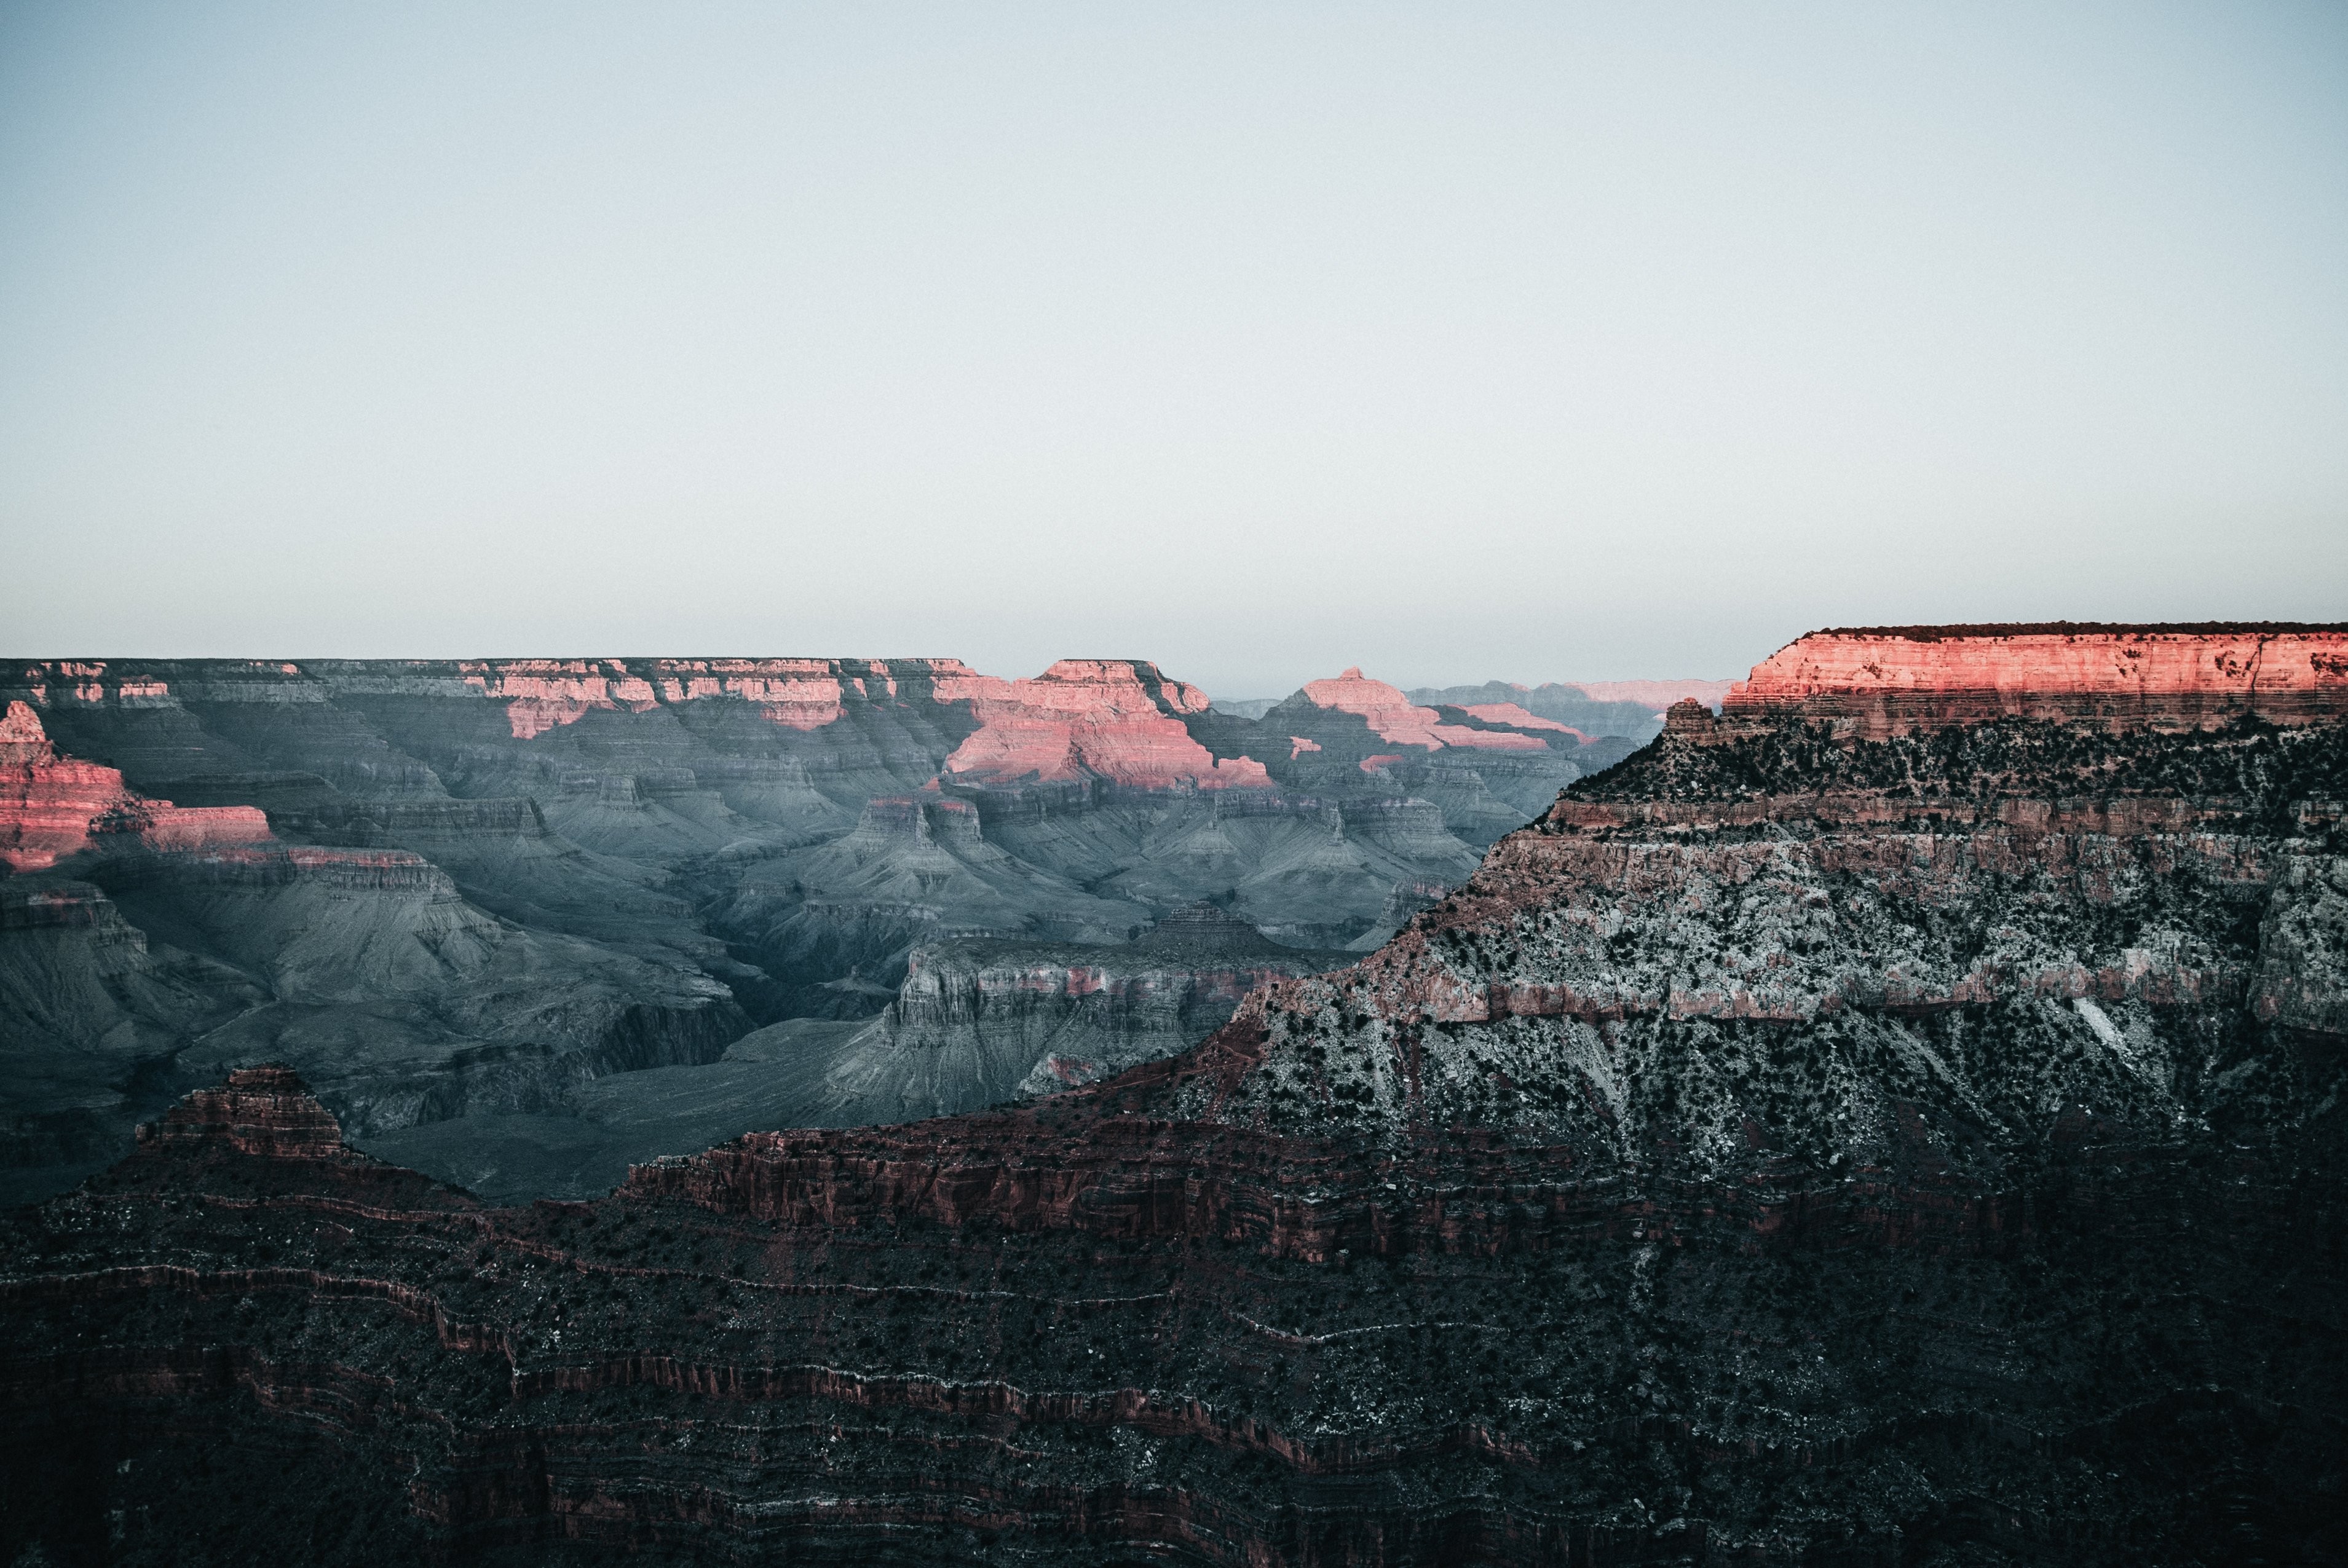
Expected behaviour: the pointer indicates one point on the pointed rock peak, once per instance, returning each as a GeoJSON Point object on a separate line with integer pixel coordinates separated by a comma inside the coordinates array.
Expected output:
{"type": "Point", "coordinates": [21, 727]}
{"type": "Point", "coordinates": [1351, 672]}
{"type": "Point", "coordinates": [267, 1112]}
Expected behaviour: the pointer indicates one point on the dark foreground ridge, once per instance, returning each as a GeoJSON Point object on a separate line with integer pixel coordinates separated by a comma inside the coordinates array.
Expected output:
{"type": "Point", "coordinates": [1802, 1145]}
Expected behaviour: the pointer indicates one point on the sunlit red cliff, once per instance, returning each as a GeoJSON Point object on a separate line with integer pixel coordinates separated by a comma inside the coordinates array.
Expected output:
{"type": "Point", "coordinates": [1887, 682]}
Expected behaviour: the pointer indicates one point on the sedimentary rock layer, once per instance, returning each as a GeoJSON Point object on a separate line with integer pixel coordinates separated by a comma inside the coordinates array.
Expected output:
{"type": "Point", "coordinates": [981, 1020]}
{"type": "Point", "coordinates": [1884, 682]}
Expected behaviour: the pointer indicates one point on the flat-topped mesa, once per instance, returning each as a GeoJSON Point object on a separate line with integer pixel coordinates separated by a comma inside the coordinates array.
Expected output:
{"type": "Point", "coordinates": [1879, 681]}
{"type": "Point", "coordinates": [1118, 721]}
{"type": "Point", "coordinates": [266, 1111]}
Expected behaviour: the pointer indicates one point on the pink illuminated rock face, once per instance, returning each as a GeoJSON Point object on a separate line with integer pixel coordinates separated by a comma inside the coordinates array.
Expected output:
{"type": "Point", "coordinates": [1878, 682]}
{"type": "Point", "coordinates": [47, 802]}
{"type": "Point", "coordinates": [1395, 717]}
{"type": "Point", "coordinates": [542, 695]}
{"type": "Point", "coordinates": [1112, 719]}
{"type": "Point", "coordinates": [21, 727]}
{"type": "Point", "coordinates": [50, 805]}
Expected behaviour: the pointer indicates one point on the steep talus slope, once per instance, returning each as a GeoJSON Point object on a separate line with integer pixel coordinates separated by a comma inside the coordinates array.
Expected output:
{"type": "Point", "coordinates": [144, 947]}
{"type": "Point", "coordinates": [980, 1021]}
{"type": "Point", "coordinates": [463, 891]}
{"type": "Point", "coordinates": [1797, 1147]}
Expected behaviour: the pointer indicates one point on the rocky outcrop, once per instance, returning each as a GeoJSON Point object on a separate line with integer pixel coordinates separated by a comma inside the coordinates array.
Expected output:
{"type": "Point", "coordinates": [53, 807]}
{"type": "Point", "coordinates": [980, 1021]}
{"type": "Point", "coordinates": [1486, 765]}
{"type": "Point", "coordinates": [1114, 719]}
{"type": "Point", "coordinates": [265, 1111]}
{"type": "Point", "coordinates": [1393, 717]}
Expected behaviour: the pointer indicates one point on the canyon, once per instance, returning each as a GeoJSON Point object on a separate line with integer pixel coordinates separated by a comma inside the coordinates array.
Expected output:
{"type": "Point", "coordinates": [1894, 1119]}
{"type": "Point", "coordinates": [458, 896]}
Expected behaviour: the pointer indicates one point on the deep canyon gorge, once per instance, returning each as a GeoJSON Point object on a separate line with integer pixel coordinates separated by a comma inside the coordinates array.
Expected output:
{"type": "Point", "coordinates": [1884, 1110]}
{"type": "Point", "coordinates": [460, 896]}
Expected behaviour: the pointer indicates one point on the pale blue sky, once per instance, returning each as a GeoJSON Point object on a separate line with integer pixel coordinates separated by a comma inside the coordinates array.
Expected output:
{"type": "Point", "coordinates": [1453, 341]}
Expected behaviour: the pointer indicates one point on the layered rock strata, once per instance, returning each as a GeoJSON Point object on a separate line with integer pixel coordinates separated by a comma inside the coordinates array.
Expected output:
{"type": "Point", "coordinates": [53, 807]}
{"type": "Point", "coordinates": [1858, 1182]}
{"type": "Point", "coordinates": [981, 1020]}
{"type": "Point", "coordinates": [1882, 683]}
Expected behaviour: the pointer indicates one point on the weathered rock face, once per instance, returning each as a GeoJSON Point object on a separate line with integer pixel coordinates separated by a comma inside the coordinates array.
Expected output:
{"type": "Point", "coordinates": [1117, 719]}
{"type": "Point", "coordinates": [1795, 1148]}
{"type": "Point", "coordinates": [980, 1021]}
{"type": "Point", "coordinates": [1879, 682]}
{"type": "Point", "coordinates": [51, 807]}
{"type": "Point", "coordinates": [267, 1112]}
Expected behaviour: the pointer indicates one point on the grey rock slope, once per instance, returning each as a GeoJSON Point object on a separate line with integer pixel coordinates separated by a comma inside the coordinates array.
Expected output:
{"type": "Point", "coordinates": [461, 894]}
{"type": "Point", "coordinates": [978, 1020]}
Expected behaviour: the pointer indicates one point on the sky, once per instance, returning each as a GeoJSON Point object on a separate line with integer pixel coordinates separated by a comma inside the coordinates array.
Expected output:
{"type": "Point", "coordinates": [1456, 341]}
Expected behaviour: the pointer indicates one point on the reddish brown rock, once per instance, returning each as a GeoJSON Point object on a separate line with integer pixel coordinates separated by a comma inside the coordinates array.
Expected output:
{"type": "Point", "coordinates": [1118, 719]}
{"type": "Point", "coordinates": [1879, 682]}
{"type": "Point", "coordinates": [50, 805]}
{"type": "Point", "coordinates": [267, 1112]}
